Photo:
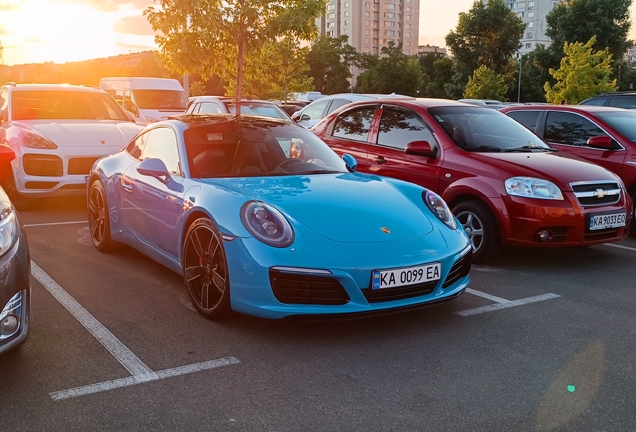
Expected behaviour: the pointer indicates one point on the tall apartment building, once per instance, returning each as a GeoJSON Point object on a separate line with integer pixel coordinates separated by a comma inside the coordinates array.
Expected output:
{"type": "Point", "coordinates": [371, 24]}
{"type": "Point", "coordinates": [533, 13]}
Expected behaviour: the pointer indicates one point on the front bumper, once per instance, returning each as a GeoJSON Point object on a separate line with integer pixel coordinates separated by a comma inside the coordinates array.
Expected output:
{"type": "Point", "coordinates": [15, 294]}
{"type": "Point", "coordinates": [523, 219]}
{"type": "Point", "coordinates": [349, 271]}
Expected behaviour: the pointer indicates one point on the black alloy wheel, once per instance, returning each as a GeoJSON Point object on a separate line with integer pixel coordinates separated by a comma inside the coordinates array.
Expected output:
{"type": "Point", "coordinates": [205, 270]}
{"type": "Point", "coordinates": [481, 227]}
{"type": "Point", "coordinates": [98, 218]}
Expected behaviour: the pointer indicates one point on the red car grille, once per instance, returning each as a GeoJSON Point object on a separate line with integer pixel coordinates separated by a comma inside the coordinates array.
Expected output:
{"type": "Point", "coordinates": [597, 193]}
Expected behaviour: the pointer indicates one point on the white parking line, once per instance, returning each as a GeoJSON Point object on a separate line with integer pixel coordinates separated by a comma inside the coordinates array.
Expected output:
{"type": "Point", "coordinates": [139, 371]}
{"type": "Point", "coordinates": [620, 246]}
{"type": "Point", "coordinates": [129, 381]}
{"type": "Point", "coordinates": [101, 333]}
{"type": "Point", "coordinates": [502, 303]}
{"type": "Point", "coordinates": [55, 223]}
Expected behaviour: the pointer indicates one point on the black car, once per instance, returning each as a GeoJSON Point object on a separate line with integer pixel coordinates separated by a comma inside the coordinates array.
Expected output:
{"type": "Point", "coordinates": [621, 99]}
{"type": "Point", "coordinates": [15, 268]}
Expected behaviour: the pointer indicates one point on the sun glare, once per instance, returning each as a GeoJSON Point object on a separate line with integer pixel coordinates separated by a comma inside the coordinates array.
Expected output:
{"type": "Point", "coordinates": [63, 32]}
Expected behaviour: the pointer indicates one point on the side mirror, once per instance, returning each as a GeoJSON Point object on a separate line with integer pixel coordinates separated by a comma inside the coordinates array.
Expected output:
{"type": "Point", "coordinates": [305, 117]}
{"type": "Point", "coordinates": [420, 148]}
{"type": "Point", "coordinates": [154, 168]}
{"type": "Point", "coordinates": [350, 162]}
{"type": "Point", "coordinates": [6, 153]}
{"type": "Point", "coordinates": [601, 142]}
{"type": "Point", "coordinates": [295, 116]}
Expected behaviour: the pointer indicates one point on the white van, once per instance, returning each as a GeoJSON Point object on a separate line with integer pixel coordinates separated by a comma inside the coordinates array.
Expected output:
{"type": "Point", "coordinates": [148, 99]}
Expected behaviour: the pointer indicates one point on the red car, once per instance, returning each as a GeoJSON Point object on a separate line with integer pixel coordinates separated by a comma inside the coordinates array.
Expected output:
{"type": "Point", "coordinates": [502, 182]}
{"type": "Point", "coordinates": [603, 135]}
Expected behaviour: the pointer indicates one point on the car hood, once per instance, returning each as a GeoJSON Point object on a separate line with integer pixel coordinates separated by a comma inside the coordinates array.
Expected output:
{"type": "Point", "coordinates": [341, 207]}
{"type": "Point", "coordinates": [558, 167]}
{"type": "Point", "coordinates": [80, 133]}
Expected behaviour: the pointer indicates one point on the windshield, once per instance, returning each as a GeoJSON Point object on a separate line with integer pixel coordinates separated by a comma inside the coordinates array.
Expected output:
{"type": "Point", "coordinates": [248, 147]}
{"type": "Point", "coordinates": [258, 108]}
{"type": "Point", "coordinates": [169, 100]}
{"type": "Point", "coordinates": [623, 122]}
{"type": "Point", "coordinates": [485, 130]}
{"type": "Point", "coordinates": [65, 104]}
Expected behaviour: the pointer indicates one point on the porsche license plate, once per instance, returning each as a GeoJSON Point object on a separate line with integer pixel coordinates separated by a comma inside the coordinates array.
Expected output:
{"type": "Point", "coordinates": [406, 276]}
{"type": "Point", "coordinates": [606, 221]}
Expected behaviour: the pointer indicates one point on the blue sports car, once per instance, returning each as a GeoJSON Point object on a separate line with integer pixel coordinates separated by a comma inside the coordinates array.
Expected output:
{"type": "Point", "coordinates": [261, 217]}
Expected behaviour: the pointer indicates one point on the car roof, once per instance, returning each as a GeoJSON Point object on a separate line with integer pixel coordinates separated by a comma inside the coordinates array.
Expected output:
{"type": "Point", "coordinates": [61, 87]}
{"type": "Point", "coordinates": [217, 118]}
{"type": "Point", "coordinates": [227, 99]}
{"type": "Point", "coordinates": [567, 108]}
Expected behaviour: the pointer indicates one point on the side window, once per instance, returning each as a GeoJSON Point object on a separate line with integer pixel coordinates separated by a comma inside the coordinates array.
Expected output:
{"type": "Point", "coordinates": [136, 147]}
{"type": "Point", "coordinates": [315, 111]}
{"type": "Point", "coordinates": [398, 128]}
{"type": "Point", "coordinates": [209, 108]}
{"type": "Point", "coordinates": [569, 128]}
{"type": "Point", "coordinates": [162, 144]}
{"type": "Point", "coordinates": [354, 125]}
{"type": "Point", "coordinates": [623, 102]}
{"type": "Point", "coordinates": [527, 118]}
{"type": "Point", "coordinates": [335, 104]}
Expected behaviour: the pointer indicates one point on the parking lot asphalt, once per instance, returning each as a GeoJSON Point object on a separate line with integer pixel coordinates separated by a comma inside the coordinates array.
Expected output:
{"type": "Point", "coordinates": [542, 340]}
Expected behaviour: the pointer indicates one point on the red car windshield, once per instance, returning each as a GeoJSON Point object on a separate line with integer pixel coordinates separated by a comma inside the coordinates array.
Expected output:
{"type": "Point", "coordinates": [65, 105]}
{"type": "Point", "coordinates": [485, 130]}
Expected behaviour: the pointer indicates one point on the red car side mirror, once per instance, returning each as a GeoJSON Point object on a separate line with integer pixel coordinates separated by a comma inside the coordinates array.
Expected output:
{"type": "Point", "coordinates": [601, 142]}
{"type": "Point", "coordinates": [6, 153]}
{"type": "Point", "coordinates": [420, 148]}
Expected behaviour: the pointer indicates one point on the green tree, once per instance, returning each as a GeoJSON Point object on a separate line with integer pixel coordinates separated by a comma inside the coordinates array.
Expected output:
{"type": "Point", "coordinates": [486, 84]}
{"type": "Point", "coordinates": [443, 71]}
{"type": "Point", "coordinates": [330, 61]}
{"type": "Point", "coordinates": [214, 36]}
{"type": "Point", "coordinates": [579, 20]}
{"type": "Point", "coordinates": [487, 35]}
{"type": "Point", "coordinates": [274, 71]}
{"type": "Point", "coordinates": [582, 74]}
{"type": "Point", "coordinates": [395, 72]}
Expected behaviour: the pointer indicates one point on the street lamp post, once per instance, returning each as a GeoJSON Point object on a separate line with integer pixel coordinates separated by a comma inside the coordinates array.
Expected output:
{"type": "Point", "coordinates": [519, 86]}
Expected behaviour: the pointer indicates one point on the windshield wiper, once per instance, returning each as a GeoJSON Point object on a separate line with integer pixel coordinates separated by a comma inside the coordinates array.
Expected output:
{"type": "Point", "coordinates": [529, 149]}
{"type": "Point", "coordinates": [319, 171]}
{"type": "Point", "coordinates": [485, 148]}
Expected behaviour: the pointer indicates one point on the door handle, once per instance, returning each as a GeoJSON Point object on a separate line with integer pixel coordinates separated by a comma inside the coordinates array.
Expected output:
{"type": "Point", "coordinates": [380, 160]}
{"type": "Point", "coordinates": [128, 187]}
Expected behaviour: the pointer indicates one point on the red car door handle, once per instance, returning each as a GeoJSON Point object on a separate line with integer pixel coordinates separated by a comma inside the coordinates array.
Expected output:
{"type": "Point", "coordinates": [380, 160]}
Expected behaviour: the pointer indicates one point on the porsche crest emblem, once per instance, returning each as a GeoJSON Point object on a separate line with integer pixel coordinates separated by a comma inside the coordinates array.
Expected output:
{"type": "Point", "coordinates": [385, 230]}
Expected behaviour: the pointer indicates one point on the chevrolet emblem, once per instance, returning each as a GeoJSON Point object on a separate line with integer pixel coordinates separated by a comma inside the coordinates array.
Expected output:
{"type": "Point", "coordinates": [385, 230]}
{"type": "Point", "coordinates": [600, 193]}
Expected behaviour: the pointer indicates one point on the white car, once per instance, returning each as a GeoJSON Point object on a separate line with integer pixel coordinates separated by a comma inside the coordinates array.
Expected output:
{"type": "Point", "coordinates": [225, 105]}
{"type": "Point", "coordinates": [57, 132]}
{"type": "Point", "coordinates": [308, 116]}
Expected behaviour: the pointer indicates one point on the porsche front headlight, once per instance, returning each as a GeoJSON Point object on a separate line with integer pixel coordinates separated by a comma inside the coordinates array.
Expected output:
{"type": "Point", "coordinates": [33, 140]}
{"type": "Point", "coordinates": [267, 224]}
{"type": "Point", "coordinates": [8, 228]}
{"type": "Point", "coordinates": [439, 208]}
{"type": "Point", "coordinates": [530, 187]}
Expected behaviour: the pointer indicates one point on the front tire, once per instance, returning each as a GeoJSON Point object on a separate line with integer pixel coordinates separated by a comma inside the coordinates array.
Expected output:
{"type": "Point", "coordinates": [481, 227]}
{"type": "Point", "coordinates": [205, 270]}
{"type": "Point", "coordinates": [98, 218]}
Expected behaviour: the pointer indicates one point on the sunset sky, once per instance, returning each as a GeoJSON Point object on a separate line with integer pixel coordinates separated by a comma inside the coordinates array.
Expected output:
{"type": "Point", "coordinates": [36, 31]}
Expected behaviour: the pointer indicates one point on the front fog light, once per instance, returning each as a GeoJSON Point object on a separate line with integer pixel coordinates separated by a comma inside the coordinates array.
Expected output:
{"type": "Point", "coordinates": [9, 325]}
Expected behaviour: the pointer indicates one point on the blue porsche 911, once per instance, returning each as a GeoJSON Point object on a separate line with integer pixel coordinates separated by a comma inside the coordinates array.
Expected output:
{"type": "Point", "coordinates": [261, 217]}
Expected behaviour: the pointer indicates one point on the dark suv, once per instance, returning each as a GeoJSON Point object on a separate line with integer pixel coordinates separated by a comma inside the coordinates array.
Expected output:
{"type": "Point", "coordinates": [624, 99]}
